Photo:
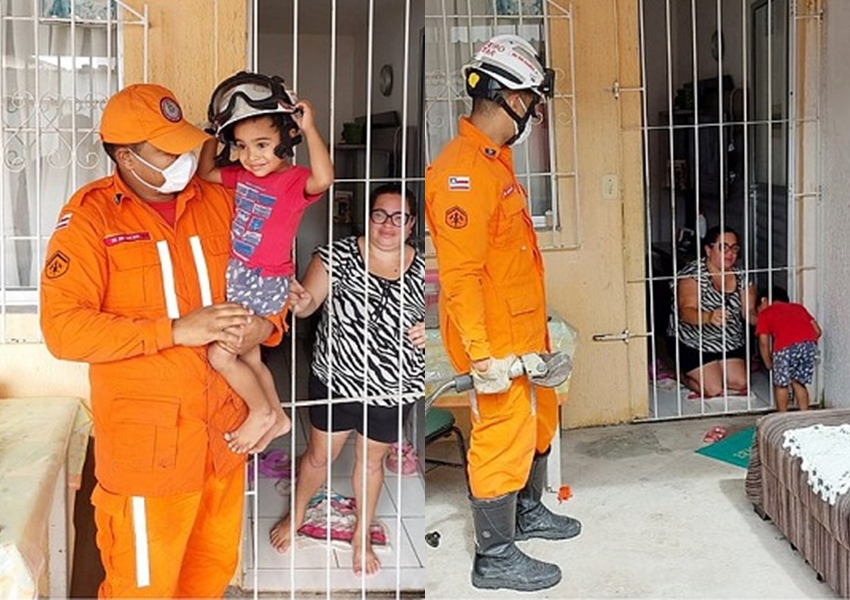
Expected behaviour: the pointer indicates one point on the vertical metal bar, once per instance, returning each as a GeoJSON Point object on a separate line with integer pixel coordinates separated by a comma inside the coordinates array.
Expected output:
{"type": "Point", "coordinates": [746, 154]}
{"type": "Point", "coordinates": [449, 91]}
{"type": "Point", "coordinates": [4, 24]}
{"type": "Point", "coordinates": [364, 531]}
{"type": "Point", "coordinates": [721, 151]}
{"type": "Point", "coordinates": [647, 197]}
{"type": "Point", "coordinates": [402, 298]}
{"type": "Point", "coordinates": [671, 149]}
{"type": "Point", "coordinates": [697, 183]}
{"type": "Point", "coordinates": [574, 114]}
{"type": "Point", "coordinates": [37, 114]}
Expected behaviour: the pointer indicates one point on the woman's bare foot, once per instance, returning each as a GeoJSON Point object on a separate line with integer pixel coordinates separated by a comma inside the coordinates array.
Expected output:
{"type": "Point", "coordinates": [279, 536]}
{"type": "Point", "coordinates": [372, 564]}
{"type": "Point", "coordinates": [281, 426]}
{"type": "Point", "coordinates": [245, 437]}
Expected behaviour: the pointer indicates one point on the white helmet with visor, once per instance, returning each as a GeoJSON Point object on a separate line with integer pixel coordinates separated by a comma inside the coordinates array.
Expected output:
{"type": "Point", "coordinates": [508, 62]}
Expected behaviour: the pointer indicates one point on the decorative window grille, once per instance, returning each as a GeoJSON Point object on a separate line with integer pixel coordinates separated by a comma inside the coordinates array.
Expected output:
{"type": "Point", "coordinates": [60, 62]}
{"type": "Point", "coordinates": [546, 164]}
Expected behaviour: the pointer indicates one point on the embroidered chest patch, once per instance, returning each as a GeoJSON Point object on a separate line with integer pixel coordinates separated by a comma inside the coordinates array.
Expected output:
{"type": "Point", "coordinates": [123, 238]}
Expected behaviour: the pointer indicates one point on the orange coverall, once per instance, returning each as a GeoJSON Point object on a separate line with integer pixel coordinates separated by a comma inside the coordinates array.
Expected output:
{"type": "Point", "coordinates": [492, 301]}
{"type": "Point", "coordinates": [115, 277]}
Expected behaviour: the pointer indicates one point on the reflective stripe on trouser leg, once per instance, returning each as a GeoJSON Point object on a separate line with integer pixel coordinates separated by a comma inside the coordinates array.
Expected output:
{"type": "Point", "coordinates": [201, 268]}
{"type": "Point", "coordinates": [167, 267]}
{"type": "Point", "coordinates": [140, 535]}
{"type": "Point", "coordinates": [547, 417]}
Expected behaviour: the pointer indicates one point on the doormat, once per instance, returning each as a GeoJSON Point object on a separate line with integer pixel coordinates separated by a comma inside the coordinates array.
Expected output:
{"type": "Point", "coordinates": [734, 449]}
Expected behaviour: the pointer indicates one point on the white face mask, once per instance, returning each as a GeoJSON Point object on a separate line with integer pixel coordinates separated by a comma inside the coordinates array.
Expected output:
{"type": "Point", "coordinates": [177, 175]}
{"type": "Point", "coordinates": [522, 136]}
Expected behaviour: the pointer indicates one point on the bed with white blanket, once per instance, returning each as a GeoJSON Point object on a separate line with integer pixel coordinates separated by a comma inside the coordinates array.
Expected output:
{"type": "Point", "coordinates": [798, 476]}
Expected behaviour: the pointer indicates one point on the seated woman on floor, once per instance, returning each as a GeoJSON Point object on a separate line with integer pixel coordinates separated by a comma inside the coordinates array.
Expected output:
{"type": "Point", "coordinates": [714, 299]}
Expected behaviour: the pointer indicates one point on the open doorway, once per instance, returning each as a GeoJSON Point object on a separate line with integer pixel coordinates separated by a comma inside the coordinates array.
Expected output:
{"type": "Point", "coordinates": [722, 148]}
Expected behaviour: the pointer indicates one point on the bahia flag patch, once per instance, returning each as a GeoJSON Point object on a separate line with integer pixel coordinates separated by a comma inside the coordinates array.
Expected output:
{"type": "Point", "coordinates": [459, 183]}
{"type": "Point", "coordinates": [63, 222]}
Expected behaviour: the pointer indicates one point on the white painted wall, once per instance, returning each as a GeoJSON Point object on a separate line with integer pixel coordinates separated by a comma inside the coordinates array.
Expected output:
{"type": "Point", "coordinates": [835, 265]}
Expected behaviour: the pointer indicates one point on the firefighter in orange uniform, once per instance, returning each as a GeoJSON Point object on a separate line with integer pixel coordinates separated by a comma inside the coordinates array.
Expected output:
{"type": "Point", "coordinates": [134, 285]}
{"type": "Point", "coordinates": [493, 309]}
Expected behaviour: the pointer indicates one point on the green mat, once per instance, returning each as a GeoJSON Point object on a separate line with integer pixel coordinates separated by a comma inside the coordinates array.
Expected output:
{"type": "Point", "coordinates": [734, 449]}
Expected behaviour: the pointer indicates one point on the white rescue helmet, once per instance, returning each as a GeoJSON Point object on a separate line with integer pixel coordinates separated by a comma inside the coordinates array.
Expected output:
{"type": "Point", "coordinates": [507, 62]}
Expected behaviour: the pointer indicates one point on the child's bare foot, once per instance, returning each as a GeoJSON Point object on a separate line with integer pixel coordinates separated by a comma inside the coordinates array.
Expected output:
{"type": "Point", "coordinates": [372, 565]}
{"type": "Point", "coordinates": [281, 426]}
{"type": "Point", "coordinates": [279, 536]}
{"type": "Point", "coordinates": [252, 429]}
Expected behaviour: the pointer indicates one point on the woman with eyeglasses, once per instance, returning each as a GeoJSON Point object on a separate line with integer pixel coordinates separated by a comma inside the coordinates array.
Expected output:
{"type": "Point", "coordinates": [369, 349]}
{"type": "Point", "coordinates": [710, 323]}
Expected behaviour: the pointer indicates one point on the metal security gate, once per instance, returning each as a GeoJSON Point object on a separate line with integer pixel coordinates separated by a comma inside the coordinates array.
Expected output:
{"type": "Point", "coordinates": [359, 63]}
{"type": "Point", "coordinates": [730, 126]}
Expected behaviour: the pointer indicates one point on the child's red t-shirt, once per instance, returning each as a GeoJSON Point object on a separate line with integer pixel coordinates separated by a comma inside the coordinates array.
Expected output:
{"type": "Point", "coordinates": [268, 211]}
{"type": "Point", "coordinates": [788, 322]}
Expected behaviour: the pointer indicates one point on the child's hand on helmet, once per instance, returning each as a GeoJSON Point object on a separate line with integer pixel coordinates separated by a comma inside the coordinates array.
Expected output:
{"type": "Point", "coordinates": [303, 117]}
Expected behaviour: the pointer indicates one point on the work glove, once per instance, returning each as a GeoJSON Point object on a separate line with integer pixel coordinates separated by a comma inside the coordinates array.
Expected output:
{"type": "Point", "coordinates": [496, 379]}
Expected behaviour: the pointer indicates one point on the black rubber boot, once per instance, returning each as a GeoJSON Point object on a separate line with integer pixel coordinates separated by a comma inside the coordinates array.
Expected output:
{"type": "Point", "coordinates": [498, 562]}
{"type": "Point", "coordinates": [533, 519]}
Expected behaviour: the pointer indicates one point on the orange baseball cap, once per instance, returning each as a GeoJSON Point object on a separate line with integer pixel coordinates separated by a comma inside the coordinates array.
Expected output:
{"type": "Point", "coordinates": [147, 112]}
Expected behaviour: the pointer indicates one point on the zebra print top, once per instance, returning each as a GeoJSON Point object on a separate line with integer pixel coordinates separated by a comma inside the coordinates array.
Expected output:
{"type": "Point", "coordinates": [713, 337]}
{"type": "Point", "coordinates": [391, 312]}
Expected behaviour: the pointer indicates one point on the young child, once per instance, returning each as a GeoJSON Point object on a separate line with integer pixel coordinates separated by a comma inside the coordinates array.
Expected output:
{"type": "Point", "coordinates": [256, 118]}
{"type": "Point", "coordinates": [795, 334]}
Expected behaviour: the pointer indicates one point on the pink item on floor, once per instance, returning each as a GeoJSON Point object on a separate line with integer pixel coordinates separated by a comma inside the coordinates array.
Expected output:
{"type": "Point", "coordinates": [343, 519]}
{"type": "Point", "coordinates": [409, 460]}
{"type": "Point", "coordinates": [273, 464]}
{"type": "Point", "coordinates": [715, 434]}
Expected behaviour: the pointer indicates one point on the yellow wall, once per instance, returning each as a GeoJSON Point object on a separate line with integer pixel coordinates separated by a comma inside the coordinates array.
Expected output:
{"type": "Point", "coordinates": [190, 50]}
{"type": "Point", "coordinates": [588, 285]}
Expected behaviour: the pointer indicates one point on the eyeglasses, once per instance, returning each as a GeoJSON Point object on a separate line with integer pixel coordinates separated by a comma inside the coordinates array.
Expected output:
{"type": "Point", "coordinates": [724, 247]}
{"type": "Point", "coordinates": [379, 216]}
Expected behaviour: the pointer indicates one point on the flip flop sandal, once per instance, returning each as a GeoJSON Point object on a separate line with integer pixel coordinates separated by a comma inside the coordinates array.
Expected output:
{"type": "Point", "coordinates": [273, 464]}
{"type": "Point", "coordinates": [715, 434]}
{"type": "Point", "coordinates": [409, 460]}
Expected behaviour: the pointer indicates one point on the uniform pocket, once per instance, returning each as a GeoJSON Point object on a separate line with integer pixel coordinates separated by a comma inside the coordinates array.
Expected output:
{"type": "Point", "coordinates": [217, 251]}
{"type": "Point", "coordinates": [135, 279]}
{"type": "Point", "coordinates": [510, 226]}
{"type": "Point", "coordinates": [145, 433]}
{"type": "Point", "coordinates": [525, 321]}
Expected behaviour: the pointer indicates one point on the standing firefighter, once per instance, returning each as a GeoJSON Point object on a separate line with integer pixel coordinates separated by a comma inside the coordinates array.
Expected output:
{"type": "Point", "coordinates": [493, 309]}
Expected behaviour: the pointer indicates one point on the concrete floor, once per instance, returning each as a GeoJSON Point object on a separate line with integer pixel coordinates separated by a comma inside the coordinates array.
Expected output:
{"type": "Point", "coordinates": [659, 522]}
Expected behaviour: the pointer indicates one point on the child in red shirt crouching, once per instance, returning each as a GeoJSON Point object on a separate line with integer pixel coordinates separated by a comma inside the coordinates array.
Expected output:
{"type": "Point", "coordinates": [795, 334]}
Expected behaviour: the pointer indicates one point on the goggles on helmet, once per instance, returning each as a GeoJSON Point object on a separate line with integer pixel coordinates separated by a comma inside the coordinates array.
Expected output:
{"type": "Point", "coordinates": [246, 95]}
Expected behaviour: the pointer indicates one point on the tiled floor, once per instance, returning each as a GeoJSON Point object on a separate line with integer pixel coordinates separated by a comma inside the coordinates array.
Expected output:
{"type": "Point", "coordinates": [667, 400]}
{"type": "Point", "coordinates": [313, 567]}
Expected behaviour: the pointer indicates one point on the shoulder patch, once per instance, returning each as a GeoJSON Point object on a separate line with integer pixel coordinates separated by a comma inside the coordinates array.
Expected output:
{"type": "Point", "coordinates": [57, 265]}
{"type": "Point", "coordinates": [456, 218]}
{"type": "Point", "coordinates": [63, 222]}
{"type": "Point", "coordinates": [459, 183]}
